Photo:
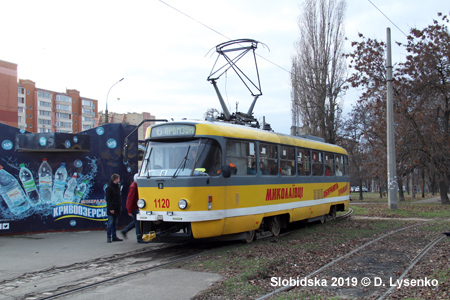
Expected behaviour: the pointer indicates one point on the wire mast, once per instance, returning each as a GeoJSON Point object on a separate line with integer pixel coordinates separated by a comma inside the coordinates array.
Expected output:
{"type": "Point", "coordinates": [232, 52]}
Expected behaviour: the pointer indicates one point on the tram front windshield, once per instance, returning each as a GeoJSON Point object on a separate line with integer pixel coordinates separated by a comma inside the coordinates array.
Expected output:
{"type": "Point", "coordinates": [199, 157]}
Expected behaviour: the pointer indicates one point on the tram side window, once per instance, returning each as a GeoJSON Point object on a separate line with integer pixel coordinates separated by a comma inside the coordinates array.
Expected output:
{"type": "Point", "coordinates": [241, 154]}
{"type": "Point", "coordinates": [268, 159]}
{"type": "Point", "coordinates": [329, 164]}
{"type": "Point", "coordinates": [287, 160]}
{"type": "Point", "coordinates": [303, 162]}
{"type": "Point", "coordinates": [339, 165]}
{"type": "Point", "coordinates": [317, 163]}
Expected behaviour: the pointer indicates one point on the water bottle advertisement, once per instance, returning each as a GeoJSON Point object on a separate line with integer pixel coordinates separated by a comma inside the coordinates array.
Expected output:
{"type": "Point", "coordinates": [56, 181]}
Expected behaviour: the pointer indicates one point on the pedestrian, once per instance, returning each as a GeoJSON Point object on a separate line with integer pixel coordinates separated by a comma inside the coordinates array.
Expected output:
{"type": "Point", "coordinates": [113, 207]}
{"type": "Point", "coordinates": [133, 210]}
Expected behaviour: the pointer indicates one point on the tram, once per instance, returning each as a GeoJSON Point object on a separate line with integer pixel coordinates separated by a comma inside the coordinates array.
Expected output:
{"type": "Point", "coordinates": [202, 180]}
{"type": "Point", "coordinates": [230, 179]}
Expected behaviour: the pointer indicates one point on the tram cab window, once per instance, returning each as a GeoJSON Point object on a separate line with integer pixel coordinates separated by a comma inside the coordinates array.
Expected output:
{"type": "Point", "coordinates": [268, 159]}
{"type": "Point", "coordinates": [303, 162]}
{"type": "Point", "coordinates": [183, 158]}
{"type": "Point", "coordinates": [241, 154]}
{"type": "Point", "coordinates": [339, 165]}
{"type": "Point", "coordinates": [329, 164]}
{"type": "Point", "coordinates": [209, 159]}
{"type": "Point", "coordinates": [317, 163]}
{"type": "Point", "coordinates": [287, 160]}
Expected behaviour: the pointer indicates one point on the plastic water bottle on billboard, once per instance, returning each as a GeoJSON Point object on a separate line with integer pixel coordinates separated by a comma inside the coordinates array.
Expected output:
{"type": "Point", "coordinates": [79, 192]}
{"type": "Point", "coordinates": [68, 194]}
{"type": "Point", "coordinates": [13, 193]}
{"type": "Point", "coordinates": [60, 184]}
{"type": "Point", "coordinates": [27, 179]}
{"type": "Point", "coordinates": [45, 181]}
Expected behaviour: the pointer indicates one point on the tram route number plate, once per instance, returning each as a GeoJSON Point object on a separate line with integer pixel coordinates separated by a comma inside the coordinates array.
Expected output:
{"type": "Point", "coordinates": [172, 130]}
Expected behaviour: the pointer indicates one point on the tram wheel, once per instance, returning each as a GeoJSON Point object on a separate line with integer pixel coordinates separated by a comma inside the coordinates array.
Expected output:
{"type": "Point", "coordinates": [332, 214]}
{"type": "Point", "coordinates": [250, 236]}
{"type": "Point", "coordinates": [275, 225]}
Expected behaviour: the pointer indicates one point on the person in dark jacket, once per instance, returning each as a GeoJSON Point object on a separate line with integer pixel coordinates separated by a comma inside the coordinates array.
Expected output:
{"type": "Point", "coordinates": [133, 210]}
{"type": "Point", "coordinates": [113, 207]}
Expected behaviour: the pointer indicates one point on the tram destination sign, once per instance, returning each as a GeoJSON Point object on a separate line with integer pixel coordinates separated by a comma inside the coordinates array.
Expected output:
{"type": "Point", "coordinates": [172, 131]}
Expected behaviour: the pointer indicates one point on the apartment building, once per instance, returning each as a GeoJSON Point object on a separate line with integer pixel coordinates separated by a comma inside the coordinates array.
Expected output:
{"type": "Point", "coordinates": [131, 118]}
{"type": "Point", "coordinates": [41, 110]}
{"type": "Point", "coordinates": [25, 106]}
{"type": "Point", "coordinates": [8, 93]}
{"type": "Point", "coordinates": [38, 110]}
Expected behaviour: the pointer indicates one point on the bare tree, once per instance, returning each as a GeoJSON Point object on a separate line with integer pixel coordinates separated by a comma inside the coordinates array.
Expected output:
{"type": "Point", "coordinates": [319, 69]}
{"type": "Point", "coordinates": [422, 101]}
{"type": "Point", "coordinates": [211, 114]}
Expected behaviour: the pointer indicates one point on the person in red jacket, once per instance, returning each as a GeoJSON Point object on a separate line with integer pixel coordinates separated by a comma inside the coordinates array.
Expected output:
{"type": "Point", "coordinates": [133, 210]}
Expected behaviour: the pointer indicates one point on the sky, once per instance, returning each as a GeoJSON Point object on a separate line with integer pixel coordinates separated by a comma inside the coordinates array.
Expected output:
{"type": "Point", "coordinates": [165, 50]}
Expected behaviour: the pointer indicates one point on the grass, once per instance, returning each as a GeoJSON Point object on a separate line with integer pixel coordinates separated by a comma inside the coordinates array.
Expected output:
{"type": "Point", "coordinates": [359, 210]}
{"type": "Point", "coordinates": [300, 295]}
{"type": "Point", "coordinates": [243, 266]}
{"type": "Point", "coordinates": [375, 197]}
{"type": "Point", "coordinates": [436, 226]}
{"type": "Point", "coordinates": [405, 210]}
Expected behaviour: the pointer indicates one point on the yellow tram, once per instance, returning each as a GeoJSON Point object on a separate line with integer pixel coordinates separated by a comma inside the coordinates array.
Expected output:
{"type": "Point", "coordinates": [202, 180]}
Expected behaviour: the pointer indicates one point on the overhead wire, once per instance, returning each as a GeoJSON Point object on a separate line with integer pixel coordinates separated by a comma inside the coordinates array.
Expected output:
{"type": "Point", "coordinates": [176, 9]}
{"type": "Point", "coordinates": [282, 68]}
{"type": "Point", "coordinates": [387, 18]}
{"type": "Point", "coordinates": [210, 28]}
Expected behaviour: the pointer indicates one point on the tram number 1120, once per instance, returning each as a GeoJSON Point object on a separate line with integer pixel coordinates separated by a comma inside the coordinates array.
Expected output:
{"type": "Point", "coordinates": [162, 203]}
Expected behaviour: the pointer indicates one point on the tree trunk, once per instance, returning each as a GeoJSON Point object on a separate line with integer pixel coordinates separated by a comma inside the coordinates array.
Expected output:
{"type": "Point", "coordinates": [360, 191]}
{"type": "Point", "coordinates": [401, 195]}
{"type": "Point", "coordinates": [443, 188]}
{"type": "Point", "coordinates": [433, 184]}
{"type": "Point", "coordinates": [408, 183]}
{"type": "Point", "coordinates": [423, 183]}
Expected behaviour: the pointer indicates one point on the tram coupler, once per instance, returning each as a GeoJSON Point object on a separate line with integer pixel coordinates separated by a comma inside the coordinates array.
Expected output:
{"type": "Point", "coordinates": [149, 236]}
{"type": "Point", "coordinates": [153, 234]}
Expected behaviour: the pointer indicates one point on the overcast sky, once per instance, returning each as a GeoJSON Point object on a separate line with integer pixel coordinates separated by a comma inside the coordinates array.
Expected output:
{"type": "Point", "coordinates": [164, 56]}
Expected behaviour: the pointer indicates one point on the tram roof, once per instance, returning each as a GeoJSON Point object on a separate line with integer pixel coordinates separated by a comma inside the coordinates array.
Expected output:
{"type": "Point", "coordinates": [208, 128]}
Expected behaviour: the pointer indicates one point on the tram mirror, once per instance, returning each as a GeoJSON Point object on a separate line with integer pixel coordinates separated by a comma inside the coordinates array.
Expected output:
{"type": "Point", "coordinates": [226, 171]}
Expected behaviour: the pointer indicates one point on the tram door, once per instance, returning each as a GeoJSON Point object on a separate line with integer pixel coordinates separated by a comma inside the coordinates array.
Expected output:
{"type": "Point", "coordinates": [240, 192]}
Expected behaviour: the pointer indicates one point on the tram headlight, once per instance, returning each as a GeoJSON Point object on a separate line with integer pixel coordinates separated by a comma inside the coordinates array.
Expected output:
{"type": "Point", "coordinates": [182, 204]}
{"type": "Point", "coordinates": [141, 203]}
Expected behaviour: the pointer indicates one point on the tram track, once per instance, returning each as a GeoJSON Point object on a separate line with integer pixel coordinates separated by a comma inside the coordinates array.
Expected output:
{"type": "Point", "coordinates": [377, 260]}
{"type": "Point", "coordinates": [83, 287]}
{"type": "Point", "coordinates": [59, 282]}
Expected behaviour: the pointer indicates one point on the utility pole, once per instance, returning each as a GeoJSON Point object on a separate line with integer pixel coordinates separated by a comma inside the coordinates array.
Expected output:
{"type": "Point", "coordinates": [107, 95]}
{"type": "Point", "coordinates": [391, 171]}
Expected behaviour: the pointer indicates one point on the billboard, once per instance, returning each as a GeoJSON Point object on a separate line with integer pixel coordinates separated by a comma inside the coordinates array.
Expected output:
{"type": "Point", "coordinates": [56, 181]}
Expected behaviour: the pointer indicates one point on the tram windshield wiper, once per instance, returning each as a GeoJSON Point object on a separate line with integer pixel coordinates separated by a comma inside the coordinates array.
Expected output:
{"type": "Point", "coordinates": [183, 163]}
{"type": "Point", "coordinates": [197, 156]}
{"type": "Point", "coordinates": [147, 163]}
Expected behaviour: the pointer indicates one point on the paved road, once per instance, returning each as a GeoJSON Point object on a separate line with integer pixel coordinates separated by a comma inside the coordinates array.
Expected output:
{"type": "Point", "coordinates": [30, 253]}
{"type": "Point", "coordinates": [429, 200]}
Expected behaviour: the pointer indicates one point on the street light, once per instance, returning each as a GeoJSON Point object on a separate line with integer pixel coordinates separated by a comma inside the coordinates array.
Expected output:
{"type": "Point", "coordinates": [106, 111]}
